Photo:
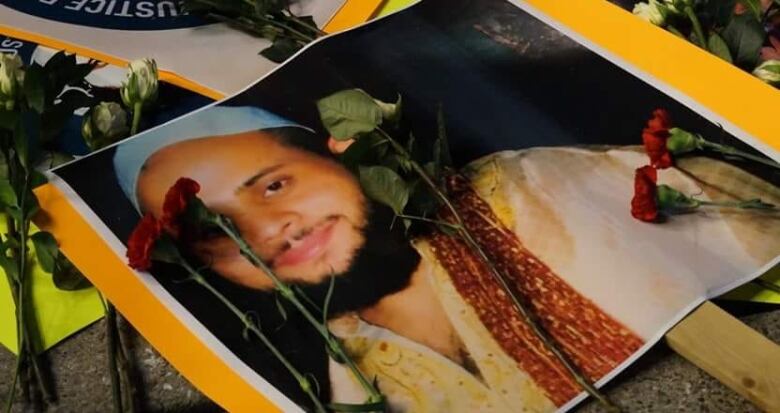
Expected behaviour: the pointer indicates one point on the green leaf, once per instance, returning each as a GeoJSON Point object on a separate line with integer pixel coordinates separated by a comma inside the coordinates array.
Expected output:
{"type": "Point", "coordinates": [8, 119]}
{"type": "Point", "coordinates": [391, 112]}
{"type": "Point", "coordinates": [349, 113]}
{"type": "Point", "coordinates": [718, 47]}
{"type": "Point", "coordinates": [370, 149]}
{"type": "Point", "coordinates": [54, 119]}
{"type": "Point", "coordinates": [34, 87]}
{"type": "Point", "coordinates": [383, 185]}
{"type": "Point", "coordinates": [754, 6]}
{"type": "Point", "coordinates": [31, 204]}
{"type": "Point", "coordinates": [46, 250]}
{"type": "Point", "coordinates": [717, 13]}
{"type": "Point", "coordinates": [7, 194]}
{"type": "Point", "coordinates": [67, 277]}
{"type": "Point", "coordinates": [37, 179]}
{"type": "Point", "coordinates": [9, 265]}
{"type": "Point", "coordinates": [744, 36]}
{"type": "Point", "coordinates": [280, 50]}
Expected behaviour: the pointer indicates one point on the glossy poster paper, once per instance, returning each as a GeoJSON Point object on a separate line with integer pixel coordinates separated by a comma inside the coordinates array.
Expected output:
{"type": "Point", "coordinates": [547, 137]}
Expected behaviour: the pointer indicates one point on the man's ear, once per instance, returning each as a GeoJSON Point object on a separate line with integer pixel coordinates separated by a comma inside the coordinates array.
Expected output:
{"type": "Point", "coordinates": [338, 147]}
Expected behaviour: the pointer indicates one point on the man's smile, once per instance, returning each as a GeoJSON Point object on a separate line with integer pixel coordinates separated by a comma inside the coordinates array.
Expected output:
{"type": "Point", "coordinates": [306, 246]}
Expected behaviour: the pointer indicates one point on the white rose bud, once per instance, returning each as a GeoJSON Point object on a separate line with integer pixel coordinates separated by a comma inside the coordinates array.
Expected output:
{"type": "Point", "coordinates": [104, 124]}
{"type": "Point", "coordinates": [11, 79]}
{"type": "Point", "coordinates": [141, 84]}
{"type": "Point", "coordinates": [653, 12]}
{"type": "Point", "coordinates": [769, 72]}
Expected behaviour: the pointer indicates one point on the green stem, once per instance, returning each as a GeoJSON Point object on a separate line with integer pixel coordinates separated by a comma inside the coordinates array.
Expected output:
{"type": "Point", "coordinates": [111, 344]}
{"type": "Point", "coordinates": [126, 383]}
{"type": "Point", "coordinates": [430, 221]}
{"type": "Point", "coordinates": [20, 347]}
{"type": "Point", "coordinates": [674, 31]}
{"type": "Point", "coordinates": [751, 204]}
{"type": "Point", "coordinates": [303, 36]}
{"type": "Point", "coordinates": [314, 29]}
{"type": "Point", "coordinates": [30, 335]}
{"type": "Point", "coordinates": [251, 326]}
{"type": "Point", "coordinates": [289, 294]}
{"type": "Point", "coordinates": [767, 285]}
{"type": "Point", "coordinates": [702, 41]}
{"type": "Point", "coordinates": [526, 314]}
{"type": "Point", "coordinates": [729, 150]}
{"type": "Point", "coordinates": [137, 109]}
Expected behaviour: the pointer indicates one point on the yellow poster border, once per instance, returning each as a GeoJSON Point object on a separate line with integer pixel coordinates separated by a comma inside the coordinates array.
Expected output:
{"type": "Point", "coordinates": [726, 91]}
{"type": "Point", "coordinates": [351, 13]}
{"type": "Point", "coordinates": [713, 84]}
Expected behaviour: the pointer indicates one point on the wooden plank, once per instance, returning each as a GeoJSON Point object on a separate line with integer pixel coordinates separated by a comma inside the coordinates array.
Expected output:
{"type": "Point", "coordinates": [732, 352]}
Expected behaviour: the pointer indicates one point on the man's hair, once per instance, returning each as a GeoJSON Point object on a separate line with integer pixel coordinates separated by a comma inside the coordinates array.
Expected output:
{"type": "Point", "coordinates": [301, 138]}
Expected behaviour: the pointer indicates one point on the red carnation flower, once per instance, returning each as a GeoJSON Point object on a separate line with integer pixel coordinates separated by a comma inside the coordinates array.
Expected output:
{"type": "Point", "coordinates": [141, 242]}
{"type": "Point", "coordinates": [654, 137]}
{"type": "Point", "coordinates": [644, 205]}
{"type": "Point", "coordinates": [176, 200]}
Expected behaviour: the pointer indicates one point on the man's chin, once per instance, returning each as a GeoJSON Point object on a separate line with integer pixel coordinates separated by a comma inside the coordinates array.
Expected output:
{"type": "Point", "coordinates": [313, 273]}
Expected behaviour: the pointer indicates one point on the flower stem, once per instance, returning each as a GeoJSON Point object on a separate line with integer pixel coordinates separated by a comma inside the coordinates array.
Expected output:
{"type": "Point", "coordinates": [526, 314]}
{"type": "Point", "coordinates": [767, 285]}
{"type": "Point", "coordinates": [314, 29]}
{"type": "Point", "coordinates": [749, 204]}
{"type": "Point", "coordinates": [730, 150]}
{"type": "Point", "coordinates": [251, 326]}
{"type": "Point", "coordinates": [289, 294]}
{"type": "Point", "coordinates": [28, 342]}
{"type": "Point", "coordinates": [701, 40]}
{"type": "Point", "coordinates": [111, 343]}
{"type": "Point", "coordinates": [431, 221]}
{"type": "Point", "coordinates": [137, 109]}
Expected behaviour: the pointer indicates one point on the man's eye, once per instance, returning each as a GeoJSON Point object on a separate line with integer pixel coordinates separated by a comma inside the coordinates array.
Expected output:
{"type": "Point", "coordinates": [274, 187]}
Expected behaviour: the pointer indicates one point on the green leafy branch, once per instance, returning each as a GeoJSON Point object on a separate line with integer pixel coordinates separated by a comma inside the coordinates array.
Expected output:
{"type": "Point", "coordinates": [36, 103]}
{"type": "Point", "coordinates": [398, 175]}
{"type": "Point", "coordinates": [270, 19]}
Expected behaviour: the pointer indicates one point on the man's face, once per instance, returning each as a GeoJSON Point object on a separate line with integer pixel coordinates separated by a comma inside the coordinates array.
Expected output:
{"type": "Point", "coordinates": [302, 213]}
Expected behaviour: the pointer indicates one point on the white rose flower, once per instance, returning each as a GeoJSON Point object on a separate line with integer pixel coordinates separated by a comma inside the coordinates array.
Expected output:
{"type": "Point", "coordinates": [653, 12]}
{"type": "Point", "coordinates": [769, 72]}
{"type": "Point", "coordinates": [11, 79]}
{"type": "Point", "coordinates": [141, 84]}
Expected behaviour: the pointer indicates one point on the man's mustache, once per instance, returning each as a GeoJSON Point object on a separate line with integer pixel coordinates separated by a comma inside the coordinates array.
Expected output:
{"type": "Point", "coordinates": [285, 244]}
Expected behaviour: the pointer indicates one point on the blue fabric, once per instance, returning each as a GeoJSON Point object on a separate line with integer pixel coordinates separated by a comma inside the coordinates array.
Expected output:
{"type": "Point", "coordinates": [213, 121]}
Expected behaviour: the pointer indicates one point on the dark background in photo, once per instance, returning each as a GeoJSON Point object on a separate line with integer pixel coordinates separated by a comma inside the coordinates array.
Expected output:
{"type": "Point", "coordinates": [505, 81]}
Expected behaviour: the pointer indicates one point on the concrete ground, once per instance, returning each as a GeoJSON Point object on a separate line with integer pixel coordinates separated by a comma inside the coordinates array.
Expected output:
{"type": "Point", "coordinates": [660, 381]}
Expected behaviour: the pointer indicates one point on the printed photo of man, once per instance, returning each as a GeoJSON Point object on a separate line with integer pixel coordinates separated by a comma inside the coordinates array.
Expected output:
{"type": "Point", "coordinates": [420, 315]}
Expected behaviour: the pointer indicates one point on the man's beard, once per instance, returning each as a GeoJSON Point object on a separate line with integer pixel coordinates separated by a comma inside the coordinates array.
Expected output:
{"type": "Point", "coordinates": [382, 266]}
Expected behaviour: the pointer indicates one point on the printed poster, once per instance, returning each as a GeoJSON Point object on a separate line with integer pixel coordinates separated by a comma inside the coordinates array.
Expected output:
{"type": "Point", "coordinates": [193, 50]}
{"type": "Point", "coordinates": [546, 142]}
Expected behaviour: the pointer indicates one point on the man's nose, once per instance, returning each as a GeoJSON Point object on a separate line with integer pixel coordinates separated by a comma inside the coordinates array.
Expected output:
{"type": "Point", "coordinates": [277, 225]}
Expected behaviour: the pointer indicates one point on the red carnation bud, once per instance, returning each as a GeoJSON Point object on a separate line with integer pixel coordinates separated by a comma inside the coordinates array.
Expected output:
{"type": "Point", "coordinates": [654, 137]}
{"type": "Point", "coordinates": [176, 200]}
{"type": "Point", "coordinates": [141, 242]}
{"type": "Point", "coordinates": [644, 205]}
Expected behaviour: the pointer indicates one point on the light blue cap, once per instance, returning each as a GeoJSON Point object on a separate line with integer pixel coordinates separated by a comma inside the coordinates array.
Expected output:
{"type": "Point", "coordinates": [213, 121]}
